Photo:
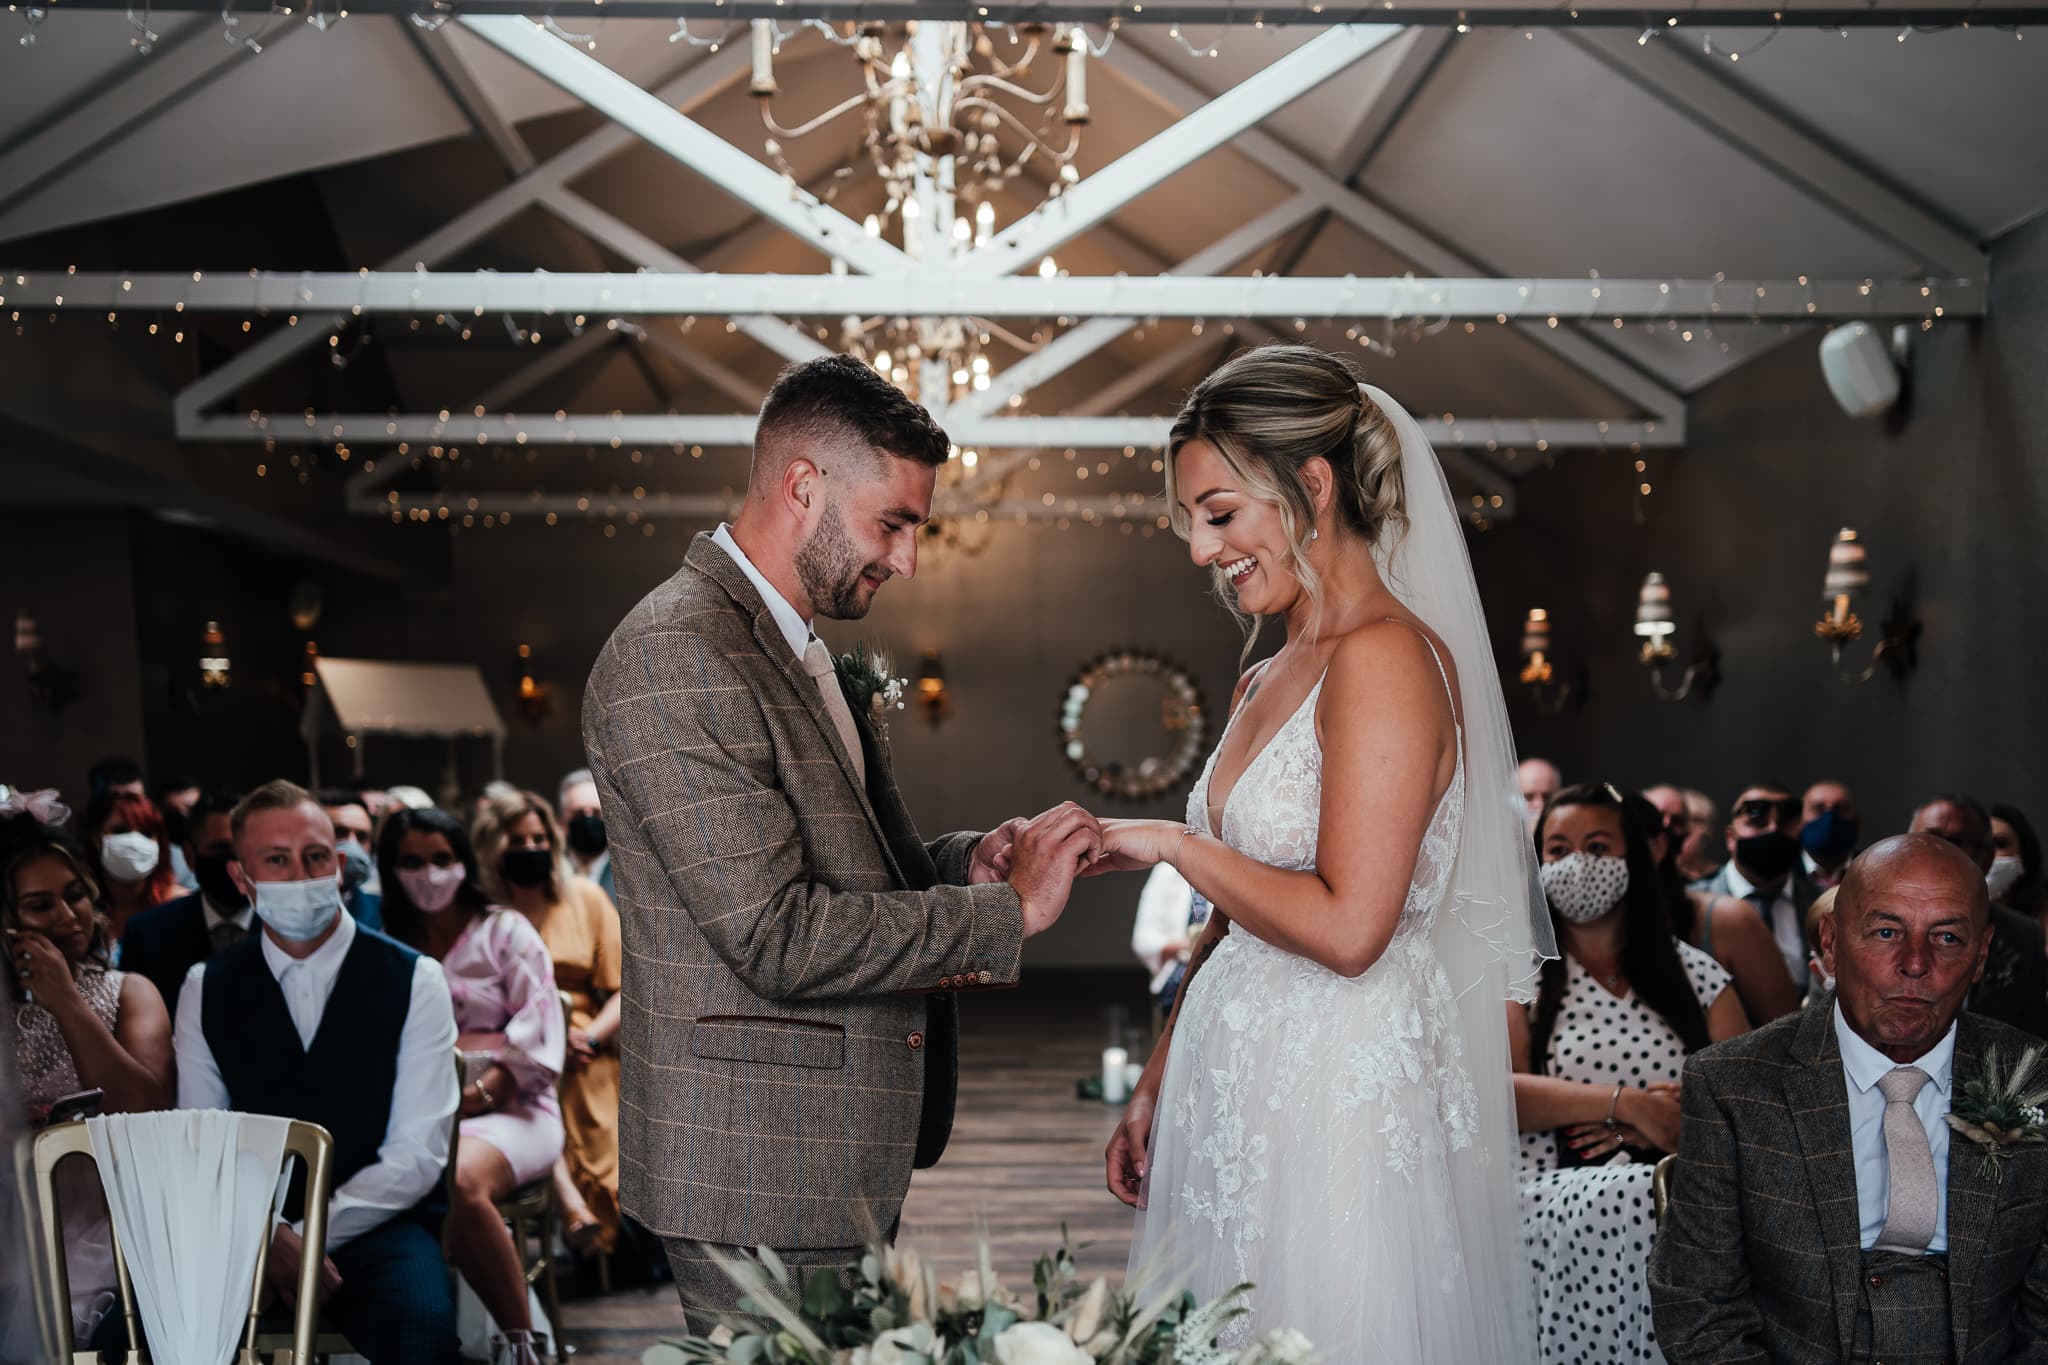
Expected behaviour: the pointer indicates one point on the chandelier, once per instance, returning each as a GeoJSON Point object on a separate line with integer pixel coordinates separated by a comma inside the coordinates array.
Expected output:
{"type": "Point", "coordinates": [949, 119]}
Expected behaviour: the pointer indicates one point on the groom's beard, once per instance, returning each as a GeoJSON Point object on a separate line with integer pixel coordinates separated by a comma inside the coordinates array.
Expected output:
{"type": "Point", "coordinates": [830, 567]}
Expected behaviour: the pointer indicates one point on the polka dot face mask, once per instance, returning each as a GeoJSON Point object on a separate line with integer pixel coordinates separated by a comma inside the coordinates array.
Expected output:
{"type": "Point", "coordinates": [1584, 887]}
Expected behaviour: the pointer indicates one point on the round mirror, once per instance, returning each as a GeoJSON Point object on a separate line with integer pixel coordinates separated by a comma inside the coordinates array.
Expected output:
{"type": "Point", "coordinates": [1132, 725]}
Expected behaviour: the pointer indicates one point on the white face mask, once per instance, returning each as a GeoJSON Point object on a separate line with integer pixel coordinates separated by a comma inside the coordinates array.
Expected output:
{"type": "Point", "coordinates": [1582, 887]}
{"type": "Point", "coordinates": [298, 911]}
{"type": "Point", "coordinates": [128, 857]}
{"type": "Point", "coordinates": [2004, 874]}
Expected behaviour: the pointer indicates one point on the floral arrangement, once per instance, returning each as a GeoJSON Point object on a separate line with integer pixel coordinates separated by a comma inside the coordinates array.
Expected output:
{"type": "Point", "coordinates": [2000, 1113]}
{"type": "Point", "coordinates": [865, 674]}
{"type": "Point", "coordinates": [898, 1312]}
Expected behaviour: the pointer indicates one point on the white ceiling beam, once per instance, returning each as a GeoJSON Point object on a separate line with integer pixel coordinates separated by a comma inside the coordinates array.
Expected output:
{"type": "Point", "coordinates": [1188, 140]}
{"type": "Point", "coordinates": [554, 357]}
{"type": "Point", "coordinates": [1336, 298]}
{"type": "Point", "coordinates": [1773, 141]}
{"type": "Point", "coordinates": [179, 68]}
{"type": "Point", "coordinates": [737, 431]}
{"type": "Point", "coordinates": [693, 87]}
{"type": "Point", "coordinates": [1155, 79]}
{"type": "Point", "coordinates": [1104, 508]}
{"type": "Point", "coordinates": [1489, 482]}
{"type": "Point", "coordinates": [437, 46]}
{"type": "Point", "coordinates": [612, 232]}
{"type": "Point", "coordinates": [1076, 344]}
{"type": "Point", "coordinates": [1422, 49]}
{"type": "Point", "coordinates": [687, 142]}
{"type": "Point", "coordinates": [1119, 391]}
{"type": "Point", "coordinates": [734, 385]}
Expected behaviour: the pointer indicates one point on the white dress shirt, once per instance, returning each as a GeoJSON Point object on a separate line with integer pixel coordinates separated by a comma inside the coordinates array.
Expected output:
{"type": "Point", "coordinates": [214, 918]}
{"type": "Point", "coordinates": [411, 1159]}
{"type": "Point", "coordinates": [1788, 926]}
{"type": "Point", "coordinates": [1865, 1066]}
{"type": "Point", "coordinates": [794, 628]}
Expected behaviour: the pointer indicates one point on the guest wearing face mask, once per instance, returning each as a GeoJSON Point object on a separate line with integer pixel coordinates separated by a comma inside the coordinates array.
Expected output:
{"type": "Point", "coordinates": [1597, 1060]}
{"type": "Point", "coordinates": [175, 797]}
{"type": "Point", "coordinates": [361, 889]}
{"type": "Point", "coordinates": [503, 986]}
{"type": "Point", "coordinates": [166, 942]}
{"type": "Point", "coordinates": [1828, 830]}
{"type": "Point", "coordinates": [131, 858]}
{"type": "Point", "coordinates": [519, 848]}
{"type": "Point", "coordinates": [2013, 988]}
{"type": "Point", "coordinates": [583, 822]}
{"type": "Point", "coordinates": [2015, 879]}
{"type": "Point", "coordinates": [249, 1036]}
{"type": "Point", "coordinates": [1700, 856]}
{"type": "Point", "coordinates": [1763, 868]}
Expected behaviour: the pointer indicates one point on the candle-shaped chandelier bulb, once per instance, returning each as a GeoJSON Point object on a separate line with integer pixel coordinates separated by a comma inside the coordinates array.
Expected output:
{"type": "Point", "coordinates": [1848, 575]}
{"type": "Point", "coordinates": [1076, 110]}
{"type": "Point", "coordinates": [1536, 646]}
{"type": "Point", "coordinates": [763, 83]}
{"type": "Point", "coordinates": [1653, 608]}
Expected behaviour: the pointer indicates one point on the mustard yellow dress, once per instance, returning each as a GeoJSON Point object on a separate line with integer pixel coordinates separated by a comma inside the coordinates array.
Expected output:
{"type": "Point", "coordinates": [582, 935]}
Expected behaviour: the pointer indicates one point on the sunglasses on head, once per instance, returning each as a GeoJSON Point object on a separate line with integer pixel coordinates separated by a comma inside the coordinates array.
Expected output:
{"type": "Point", "coordinates": [1759, 810]}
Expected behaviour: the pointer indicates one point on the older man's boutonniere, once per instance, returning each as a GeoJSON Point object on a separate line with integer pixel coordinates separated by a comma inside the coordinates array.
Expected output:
{"type": "Point", "coordinates": [2001, 1114]}
{"type": "Point", "coordinates": [864, 672]}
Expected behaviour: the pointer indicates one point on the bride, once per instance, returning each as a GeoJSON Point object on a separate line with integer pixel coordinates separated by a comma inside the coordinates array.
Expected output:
{"type": "Point", "coordinates": [1328, 1114]}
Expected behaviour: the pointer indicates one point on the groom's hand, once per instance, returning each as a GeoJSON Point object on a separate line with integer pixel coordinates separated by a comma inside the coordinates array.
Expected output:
{"type": "Point", "coordinates": [1044, 859]}
{"type": "Point", "coordinates": [991, 860]}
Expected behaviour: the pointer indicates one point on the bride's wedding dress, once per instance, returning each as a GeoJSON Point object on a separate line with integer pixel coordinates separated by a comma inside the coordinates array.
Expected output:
{"type": "Point", "coordinates": [1318, 1135]}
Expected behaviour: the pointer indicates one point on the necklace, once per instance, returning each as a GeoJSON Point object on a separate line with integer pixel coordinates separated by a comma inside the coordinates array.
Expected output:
{"type": "Point", "coordinates": [1610, 977]}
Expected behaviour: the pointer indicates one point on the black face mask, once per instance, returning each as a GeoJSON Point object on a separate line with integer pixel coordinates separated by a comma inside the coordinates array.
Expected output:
{"type": "Point", "coordinates": [1769, 855]}
{"type": "Point", "coordinates": [1830, 835]}
{"type": "Point", "coordinates": [211, 872]}
{"type": "Point", "coordinates": [527, 866]}
{"type": "Point", "coordinates": [586, 835]}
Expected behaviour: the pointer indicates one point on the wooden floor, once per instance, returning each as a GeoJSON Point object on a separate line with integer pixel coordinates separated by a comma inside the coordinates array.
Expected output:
{"type": "Point", "coordinates": [1025, 1155]}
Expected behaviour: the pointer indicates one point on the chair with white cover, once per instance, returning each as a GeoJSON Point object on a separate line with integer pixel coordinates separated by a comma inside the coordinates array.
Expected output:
{"type": "Point", "coordinates": [193, 1197]}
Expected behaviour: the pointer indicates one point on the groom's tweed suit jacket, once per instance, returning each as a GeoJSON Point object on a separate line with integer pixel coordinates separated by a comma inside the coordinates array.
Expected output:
{"type": "Point", "coordinates": [785, 933]}
{"type": "Point", "coordinates": [1759, 1255]}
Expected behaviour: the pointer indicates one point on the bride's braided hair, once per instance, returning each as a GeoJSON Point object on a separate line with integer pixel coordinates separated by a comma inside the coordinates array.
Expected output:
{"type": "Point", "coordinates": [1268, 412]}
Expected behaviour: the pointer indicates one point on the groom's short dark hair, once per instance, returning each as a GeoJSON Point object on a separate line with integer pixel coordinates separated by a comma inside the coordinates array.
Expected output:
{"type": "Point", "coordinates": [841, 397]}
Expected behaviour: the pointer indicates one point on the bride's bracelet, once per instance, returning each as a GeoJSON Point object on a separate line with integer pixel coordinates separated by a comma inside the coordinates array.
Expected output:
{"type": "Point", "coordinates": [1185, 831]}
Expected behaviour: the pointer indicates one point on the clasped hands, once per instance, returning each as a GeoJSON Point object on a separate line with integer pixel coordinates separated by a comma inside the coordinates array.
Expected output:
{"type": "Point", "coordinates": [1040, 856]}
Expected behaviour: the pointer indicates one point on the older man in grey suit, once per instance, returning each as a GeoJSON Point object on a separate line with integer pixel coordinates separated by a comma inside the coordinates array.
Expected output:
{"type": "Point", "coordinates": [791, 944]}
{"type": "Point", "coordinates": [1821, 1207]}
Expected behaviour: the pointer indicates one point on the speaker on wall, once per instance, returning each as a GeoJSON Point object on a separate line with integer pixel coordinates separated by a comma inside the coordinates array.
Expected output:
{"type": "Point", "coordinates": [1862, 370]}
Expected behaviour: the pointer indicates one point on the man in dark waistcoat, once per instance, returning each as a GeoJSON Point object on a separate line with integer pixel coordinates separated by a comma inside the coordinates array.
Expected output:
{"type": "Point", "coordinates": [1822, 1207]}
{"type": "Point", "coordinates": [317, 1018]}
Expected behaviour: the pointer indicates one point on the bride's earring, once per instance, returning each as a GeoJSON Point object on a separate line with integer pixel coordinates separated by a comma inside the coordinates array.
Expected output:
{"type": "Point", "coordinates": [1313, 534]}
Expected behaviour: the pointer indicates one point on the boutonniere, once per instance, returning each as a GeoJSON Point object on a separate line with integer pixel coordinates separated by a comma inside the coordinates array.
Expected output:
{"type": "Point", "coordinates": [869, 682]}
{"type": "Point", "coordinates": [2001, 1114]}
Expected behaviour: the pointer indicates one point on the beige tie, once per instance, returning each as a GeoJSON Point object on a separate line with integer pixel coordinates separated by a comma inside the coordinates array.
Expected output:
{"type": "Point", "coordinates": [1909, 1223]}
{"type": "Point", "coordinates": [818, 663]}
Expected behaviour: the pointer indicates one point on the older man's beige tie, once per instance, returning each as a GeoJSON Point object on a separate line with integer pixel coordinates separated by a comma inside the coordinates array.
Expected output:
{"type": "Point", "coordinates": [818, 663]}
{"type": "Point", "coordinates": [1909, 1223]}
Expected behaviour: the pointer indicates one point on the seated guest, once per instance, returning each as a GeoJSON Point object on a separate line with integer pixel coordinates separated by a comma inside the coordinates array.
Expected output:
{"type": "Point", "coordinates": [79, 1025]}
{"type": "Point", "coordinates": [374, 795]}
{"type": "Point", "coordinates": [361, 889]}
{"type": "Point", "coordinates": [519, 851]}
{"type": "Point", "coordinates": [1171, 915]}
{"type": "Point", "coordinates": [1763, 868]}
{"type": "Point", "coordinates": [1828, 829]}
{"type": "Point", "coordinates": [1725, 929]}
{"type": "Point", "coordinates": [411, 798]}
{"type": "Point", "coordinates": [175, 797]}
{"type": "Point", "coordinates": [1821, 1208]}
{"type": "Point", "coordinates": [1820, 980]}
{"type": "Point", "coordinates": [1700, 857]}
{"type": "Point", "coordinates": [250, 1037]}
{"type": "Point", "coordinates": [1540, 781]}
{"type": "Point", "coordinates": [131, 858]}
{"type": "Point", "coordinates": [166, 941]}
{"type": "Point", "coordinates": [583, 824]}
{"type": "Point", "coordinates": [2015, 878]}
{"type": "Point", "coordinates": [114, 773]}
{"type": "Point", "coordinates": [510, 1015]}
{"type": "Point", "coordinates": [2014, 986]}
{"type": "Point", "coordinates": [1596, 1061]}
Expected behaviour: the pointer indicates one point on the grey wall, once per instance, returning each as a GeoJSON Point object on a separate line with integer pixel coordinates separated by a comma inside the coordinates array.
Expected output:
{"type": "Point", "coordinates": [1952, 501]}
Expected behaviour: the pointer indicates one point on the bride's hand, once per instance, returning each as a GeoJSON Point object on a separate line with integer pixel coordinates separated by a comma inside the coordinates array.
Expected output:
{"type": "Point", "coordinates": [1130, 1145]}
{"type": "Point", "coordinates": [1133, 845]}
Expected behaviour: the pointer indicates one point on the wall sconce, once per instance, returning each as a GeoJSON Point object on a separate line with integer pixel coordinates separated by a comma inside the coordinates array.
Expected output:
{"type": "Point", "coordinates": [1654, 624]}
{"type": "Point", "coordinates": [931, 687]}
{"type": "Point", "coordinates": [1847, 579]}
{"type": "Point", "coordinates": [50, 685]}
{"type": "Point", "coordinates": [1539, 674]}
{"type": "Point", "coordinates": [213, 657]}
{"type": "Point", "coordinates": [536, 699]}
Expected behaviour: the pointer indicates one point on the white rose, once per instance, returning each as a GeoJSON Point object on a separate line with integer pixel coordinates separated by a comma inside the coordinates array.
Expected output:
{"type": "Point", "coordinates": [1281, 1346]}
{"type": "Point", "coordinates": [891, 1348]}
{"type": "Point", "coordinates": [1038, 1343]}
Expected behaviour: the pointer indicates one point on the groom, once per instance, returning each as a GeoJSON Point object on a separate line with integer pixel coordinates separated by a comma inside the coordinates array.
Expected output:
{"type": "Point", "coordinates": [1822, 1209]}
{"type": "Point", "coordinates": [787, 1045]}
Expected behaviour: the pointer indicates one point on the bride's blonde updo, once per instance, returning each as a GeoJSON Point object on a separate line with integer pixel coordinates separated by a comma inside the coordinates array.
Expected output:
{"type": "Point", "coordinates": [1268, 412]}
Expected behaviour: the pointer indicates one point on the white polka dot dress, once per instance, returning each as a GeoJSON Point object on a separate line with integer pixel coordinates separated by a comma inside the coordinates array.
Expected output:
{"type": "Point", "coordinates": [1587, 1229]}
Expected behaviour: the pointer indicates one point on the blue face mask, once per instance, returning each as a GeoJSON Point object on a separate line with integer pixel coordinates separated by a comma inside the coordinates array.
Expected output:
{"type": "Point", "coordinates": [355, 865]}
{"type": "Point", "coordinates": [299, 911]}
{"type": "Point", "coordinates": [1830, 835]}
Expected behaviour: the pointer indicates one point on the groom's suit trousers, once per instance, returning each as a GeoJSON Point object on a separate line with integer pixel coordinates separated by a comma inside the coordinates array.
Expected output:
{"type": "Point", "coordinates": [791, 944]}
